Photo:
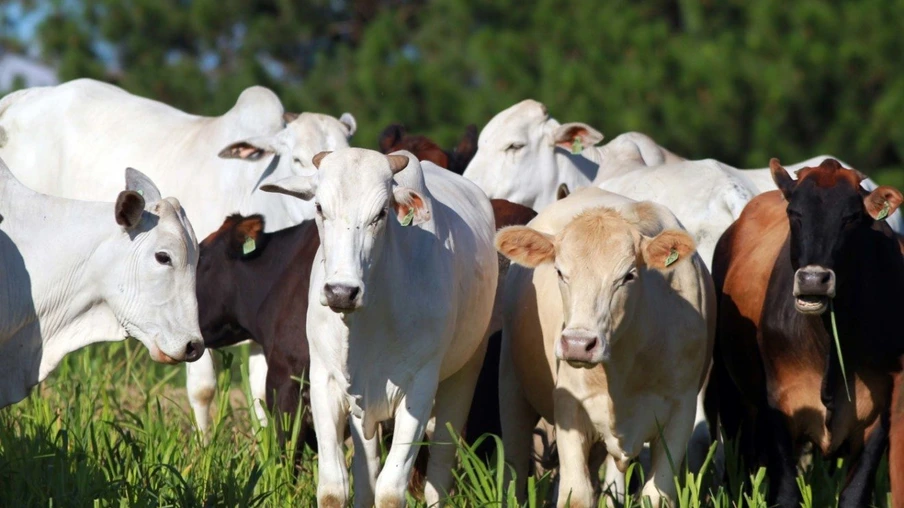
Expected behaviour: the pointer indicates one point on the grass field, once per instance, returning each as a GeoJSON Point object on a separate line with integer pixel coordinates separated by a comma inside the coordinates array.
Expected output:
{"type": "Point", "coordinates": [111, 428]}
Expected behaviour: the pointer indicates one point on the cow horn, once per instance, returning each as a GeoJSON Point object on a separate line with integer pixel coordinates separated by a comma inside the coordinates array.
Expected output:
{"type": "Point", "coordinates": [397, 163]}
{"type": "Point", "coordinates": [319, 158]}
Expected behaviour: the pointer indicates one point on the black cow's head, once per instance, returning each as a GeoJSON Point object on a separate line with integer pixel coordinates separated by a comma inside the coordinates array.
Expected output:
{"type": "Point", "coordinates": [826, 207]}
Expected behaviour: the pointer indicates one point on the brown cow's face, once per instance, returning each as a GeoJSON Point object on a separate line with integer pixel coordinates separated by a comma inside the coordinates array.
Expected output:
{"type": "Point", "coordinates": [601, 262]}
{"type": "Point", "coordinates": [825, 209]}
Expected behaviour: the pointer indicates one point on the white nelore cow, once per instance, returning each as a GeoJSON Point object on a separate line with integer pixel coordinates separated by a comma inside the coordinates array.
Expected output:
{"type": "Point", "coordinates": [583, 342]}
{"type": "Point", "coordinates": [78, 272]}
{"type": "Point", "coordinates": [72, 140]}
{"type": "Point", "coordinates": [405, 277]}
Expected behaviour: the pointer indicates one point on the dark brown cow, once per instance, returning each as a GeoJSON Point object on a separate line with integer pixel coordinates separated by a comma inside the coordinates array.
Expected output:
{"type": "Point", "coordinates": [259, 290]}
{"type": "Point", "coordinates": [817, 243]}
{"type": "Point", "coordinates": [395, 137]}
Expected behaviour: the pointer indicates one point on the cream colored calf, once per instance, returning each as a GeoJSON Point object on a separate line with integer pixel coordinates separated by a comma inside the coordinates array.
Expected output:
{"type": "Point", "coordinates": [609, 337]}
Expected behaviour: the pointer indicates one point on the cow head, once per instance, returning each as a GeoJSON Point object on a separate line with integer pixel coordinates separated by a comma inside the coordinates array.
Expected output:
{"type": "Point", "coordinates": [238, 239]}
{"type": "Point", "coordinates": [517, 153]}
{"type": "Point", "coordinates": [149, 284]}
{"type": "Point", "coordinates": [826, 208]}
{"type": "Point", "coordinates": [358, 204]}
{"type": "Point", "coordinates": [603, 264]}
{"type": "Point", "coordinates": [395, 138]}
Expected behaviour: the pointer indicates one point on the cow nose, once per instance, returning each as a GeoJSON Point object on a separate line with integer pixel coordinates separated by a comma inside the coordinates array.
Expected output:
{"type": "Point", "coordinates": [342, 296]}
{"type": "Point", "coordinates": [194, 350]}
{"type": "Point", "coordinates": [814, 280]}
{"type": "Point", "coordinates": [582, 348]}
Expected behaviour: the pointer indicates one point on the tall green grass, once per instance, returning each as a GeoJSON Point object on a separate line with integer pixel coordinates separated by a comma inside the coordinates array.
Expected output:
{"type": "Point", "coordinates": [111, 428]}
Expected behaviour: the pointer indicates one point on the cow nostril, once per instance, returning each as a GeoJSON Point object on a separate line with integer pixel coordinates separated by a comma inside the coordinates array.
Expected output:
{"type": "Point", "coordinates": [353, 293]}
{"type": "Point", "coordinates": [825, 277]}
{"type": "Point", "coordinates": [194, 350]}
{"type": "Point", "coordinates": [591, 344]}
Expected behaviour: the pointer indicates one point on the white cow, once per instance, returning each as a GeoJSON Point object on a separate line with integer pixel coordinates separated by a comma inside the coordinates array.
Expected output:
{"type": "Point", "coordinates": [405, 277]}
{"type": "Point", "coordinates": [75, 273]}
{"type": "Point", "coordinates": [72, 140]}
{"type": "Point", "coordinates": [615, 290]}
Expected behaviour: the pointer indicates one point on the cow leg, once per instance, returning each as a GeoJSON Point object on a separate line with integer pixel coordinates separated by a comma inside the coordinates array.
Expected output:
{"type": "Point", "coordinates": [698, 446]}
{"type": "Point", "coordinates": [257, 378]}
{"type": "Point", "coordinates": [672, 442]}
{"type": "Point", "coordinates": [327, 406]}
{"type": "Point", "coordinates": [573, 431]}
{"type": "Point", "coordinates": [201, 385]}
{"type": "Point", "coordinates": [410, 422]}
{"type": "Point", "coordinates": [517, 419]}
{"type": "Point", "coordinates": [859, 489]}
{"type": "Point", "coordinates": [613, 483]}
{"type": "Point", "coordinates": [452, 402]}
{"type": "Point", "coordinates": [365, 463]}
{"type": "Point", "coordinates": [782, 461]}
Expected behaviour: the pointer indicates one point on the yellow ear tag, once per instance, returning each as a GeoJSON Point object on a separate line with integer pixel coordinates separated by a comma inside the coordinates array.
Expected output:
{"type": "Point", "coordinates": [249, 246]}
{"type": "Point", "coordinates": [673, 256]}
{"type": "Point", "coordinates": [406, 220]}
{"type": "Point", "coordinates": [884, 212]}
{"type": "Point", "coordinates": [576, 146]}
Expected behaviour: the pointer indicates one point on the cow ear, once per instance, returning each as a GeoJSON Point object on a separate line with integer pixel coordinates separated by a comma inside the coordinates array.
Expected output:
{"type": "Point", "coordinates": [562, 192]}
{"type": "Point", "coordinates": [129, 208]}
{"type": "Point", "coordinates": [525, 246]}
{"type": "Point", "coordinates": [391, 135]}
{"type": "Point", "coordinates": [348, 121]}
{"type": "Point", "coordinates": [250, 149]}
{"type": "Point", "coordinates": [882, 202]}
{"type": "Point", "coordinates": [667, 249]}
{"type": "Point", "coordinates": [246, 235]}
{"type": "Point", "coordinates": [782, 179]}
{"type": "Point", "coordinates": [301, 187]}
{"type": "Point", "coordinates": [410, 207]}
{"type": "Point", "coordinates": [576, 136]}
{"type": "Point", "coordinates": [140, 183]}
{"type": "Point", "coordinates": [290, 117]}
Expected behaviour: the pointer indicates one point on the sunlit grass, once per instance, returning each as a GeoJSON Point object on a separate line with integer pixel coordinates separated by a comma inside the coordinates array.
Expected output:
{"type": "Point", "coordinates": [111, 428]}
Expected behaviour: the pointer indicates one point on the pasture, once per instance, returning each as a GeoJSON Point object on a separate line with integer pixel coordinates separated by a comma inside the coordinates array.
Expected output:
{"type": "Point", "coordinates": [112, 428]}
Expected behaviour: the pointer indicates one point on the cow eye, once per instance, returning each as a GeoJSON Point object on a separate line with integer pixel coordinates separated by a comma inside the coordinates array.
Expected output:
{"type": "Point", "coordinates": [380, 216]}
{"type": "Point", "coordinates": [561, 277]}
{"type": "Point", "coordinates": [514, 147]}
{"type": "Point", "coordinates": [296, 160]}
{"type": "Point", "coordinates": [630, 276]}
{"type": "Point", "coordinates": [319, 210]}
{"type": "Point", "coordinates": [163, 258]}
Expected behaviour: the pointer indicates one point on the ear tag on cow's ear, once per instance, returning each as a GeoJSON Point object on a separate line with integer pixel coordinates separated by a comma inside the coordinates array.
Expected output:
{"type": "Point", "coordinates": [576, 146]}
{"type": "Point", "coordinates": [140, 192]}
{"type": "Point", "coordinates": [883, 213]}
{"type": "Point", "coordinates": [249, 246]}
{"type": "Point", "coordinates": [673, 256]}
{"type": "Point", "coordinates": [406, 220]}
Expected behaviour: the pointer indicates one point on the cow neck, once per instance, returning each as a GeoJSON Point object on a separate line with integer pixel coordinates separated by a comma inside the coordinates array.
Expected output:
{"type": "Point", "coordinates": [575, 171]}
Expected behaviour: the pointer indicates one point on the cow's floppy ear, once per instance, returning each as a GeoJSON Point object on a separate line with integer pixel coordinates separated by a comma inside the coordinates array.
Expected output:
{"type": "Point", "coordinates": [301, 187]}
{"type": "Point", "coordinates": [140, 183]}
{"type": "Point", "coordinates": [667, 249]}
{"type": "Point", "coordinates": [348, 121]}
{"type": "Point", "coordinates": [782, 179]}
{"type": "Point", "coordinates": [525, 246]}
{"type": "Point", "coordinates": [246, 235]}
{"type": "Point", "coordinates": [562, 192]}
{"type": "Point", "coordinates": [882, 202]}
{"type": "Point", "coordinates": [576, 136]}
{"type": "Point", "coordinates": [251, 149]}
{"type": "Point", "coordinates": [129, 208]}
{"type": "Point", "coordinates": [410, 207]}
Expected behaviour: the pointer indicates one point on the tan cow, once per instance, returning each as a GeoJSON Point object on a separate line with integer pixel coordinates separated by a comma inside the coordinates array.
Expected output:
{"type": "Point", "coordinates": [609, 336]}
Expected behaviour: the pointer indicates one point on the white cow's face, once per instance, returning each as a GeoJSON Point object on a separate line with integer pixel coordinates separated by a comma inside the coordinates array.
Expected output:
{"type": "Point", "coordinates": [601, 262]}
{"type": "Point", "coordinates": [357, 204]}
{"type": "Point", "coordinates": [149, 276]}
{"type": "Point", "coordinates": [517, 154]}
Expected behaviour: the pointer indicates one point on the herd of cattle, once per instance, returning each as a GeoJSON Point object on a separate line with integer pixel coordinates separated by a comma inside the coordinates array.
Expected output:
{"type": "Point", "coordinates": [651, 299]}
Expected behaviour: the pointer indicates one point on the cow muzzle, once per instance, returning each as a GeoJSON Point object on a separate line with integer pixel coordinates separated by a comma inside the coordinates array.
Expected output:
{"type": "Point", "coordinates": [582, 348]}
{"type": "Point", "coordinates": [813, 287]}
{"type": "Point", "coordinates": [342, 296]}
{"type": "Point", "coordinates": [194, 348]}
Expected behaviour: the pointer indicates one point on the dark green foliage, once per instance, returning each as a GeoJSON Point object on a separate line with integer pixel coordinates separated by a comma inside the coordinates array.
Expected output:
{"type": "Point", "coordinates": [734, 80]}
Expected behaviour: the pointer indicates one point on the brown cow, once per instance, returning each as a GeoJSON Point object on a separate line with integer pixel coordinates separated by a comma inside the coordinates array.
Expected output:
{"type": "Point", "coordinates": [818, 243]}
{"type": "Point", "coordinates": [395, 137]}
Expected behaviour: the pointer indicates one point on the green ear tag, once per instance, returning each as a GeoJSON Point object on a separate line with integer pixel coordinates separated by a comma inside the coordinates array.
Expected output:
{"type": "Point", "coordinates": [406, 220]}
{"type": "Point", "coordinates": [884, 212]}
{"type": "Point", "coordinates": [140, 192]}
{"type": "Point", "coordinates": [673, 256]}
{"type": "Point", "coordinates": [249, 246]}
{"type": "Point", "coordinates": [576, 146]}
